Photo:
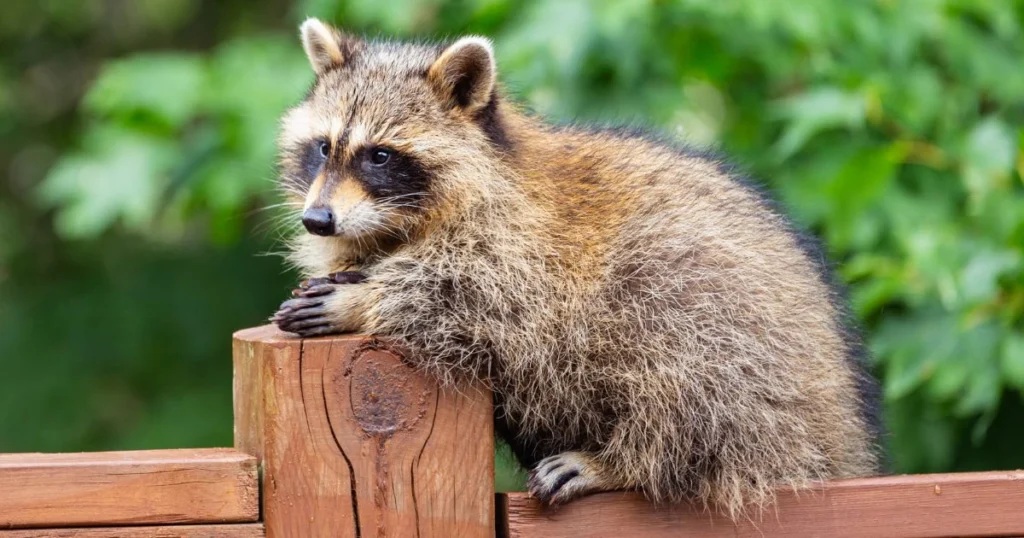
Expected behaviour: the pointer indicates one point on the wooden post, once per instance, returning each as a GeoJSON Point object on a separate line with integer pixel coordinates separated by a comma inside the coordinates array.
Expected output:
{"type": "Point", "coordinates": [353, 443]}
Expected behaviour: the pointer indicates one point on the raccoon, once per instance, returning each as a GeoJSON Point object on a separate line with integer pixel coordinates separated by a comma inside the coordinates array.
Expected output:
{"type": "Point", "coordinates": [646, 318]}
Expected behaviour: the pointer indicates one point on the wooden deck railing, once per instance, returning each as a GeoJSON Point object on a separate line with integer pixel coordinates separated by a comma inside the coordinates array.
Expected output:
{"type": "Point", "coordinates": [350, 442]}
{"type": "Point", "coordinates": [148, 487]}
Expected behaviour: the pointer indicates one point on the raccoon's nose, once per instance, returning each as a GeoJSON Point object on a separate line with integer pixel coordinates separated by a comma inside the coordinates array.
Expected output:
{"type": "Point", "coordinates": [319, 221]}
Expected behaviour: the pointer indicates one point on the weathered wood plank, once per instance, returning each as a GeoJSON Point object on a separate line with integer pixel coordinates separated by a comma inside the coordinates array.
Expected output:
{"type": "Point", "coordinates": [353, 442]}
{"type": "Point", "coordinates": [238, 530]}
{"type": "Point", "coordinates": [913, 506]}
{"type": "Point", "coordinates": [216, 485]}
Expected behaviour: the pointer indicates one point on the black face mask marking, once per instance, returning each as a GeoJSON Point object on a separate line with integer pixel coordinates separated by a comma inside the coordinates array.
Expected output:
{"type": "Point", "coordinates": [311, 161]}
{"type": "Point", "coordinates": [400, 176]}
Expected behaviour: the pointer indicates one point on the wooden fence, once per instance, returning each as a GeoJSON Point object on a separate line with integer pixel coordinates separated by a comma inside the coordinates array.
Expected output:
{"type": "Point", "coordinates": [337, 437]}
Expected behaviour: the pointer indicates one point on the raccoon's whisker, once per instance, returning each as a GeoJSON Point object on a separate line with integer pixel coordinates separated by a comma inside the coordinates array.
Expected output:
{"type": "Point", "coordinates": [280, 253]}
{"type": "Point", "coordinates": [291, 189]}
{"type": "Point", "coordinates": [400, 196]}
{"type": "Point", "coordinates": [281, 204]}
{"type": "Point", "coordinates": [268, 225]}
{"type": "Point", "coordinates": [285, 222]}
{"type": "Point", "coordinates": [272, 206]}
{"type": "Point", "coordinates": [290, 186]}
{"type": "Point", "coordinates": [388, 228]}
{"type": "Point", "coordinates": [398, 206]}
{"type": "Point", "coordinates": [363, 245]}
{"type": "Point", "coordinates": [394, 205]}
{"type": "Point", "coordinates": [280, 215]}
{"type": "Point", "coordinates": [279, 232]}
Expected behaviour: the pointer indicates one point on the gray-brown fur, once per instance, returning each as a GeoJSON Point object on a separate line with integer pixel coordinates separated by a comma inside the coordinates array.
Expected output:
{"type": "Point", "coordinates": [645, 319]}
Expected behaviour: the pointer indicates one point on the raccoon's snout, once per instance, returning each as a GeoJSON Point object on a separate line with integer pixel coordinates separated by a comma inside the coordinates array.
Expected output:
{"type": "Point", "coordinates": [319, 221]}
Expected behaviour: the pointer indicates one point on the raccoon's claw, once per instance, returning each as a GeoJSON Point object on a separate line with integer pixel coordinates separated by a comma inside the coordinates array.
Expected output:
{"type": "Point", "coordinates": [341, 277]}
{"type": "Point", "coordinates": [306, 314]}
{"type": "Point", "coordinates": [313, 282]}
{"type": "Point", "coordinates": [563, 477]}
{"type": "Point", "coordinates": [347, 277]}
{"type": "Point", "coordinates": [314, 290]}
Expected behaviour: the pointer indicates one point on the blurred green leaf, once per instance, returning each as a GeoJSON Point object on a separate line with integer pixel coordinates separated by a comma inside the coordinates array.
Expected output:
{"type": "Point", "coordinates": [980, 277]}
{"type": "Point", "coordinates": [168, 85]}
{"type": "Point", "coordinates": [809, 113]}
{"type": "Point", "coordinates": [1012, 362]}
{"type": "Point", "coordinates": [989, 155]}
{"type": "Point", "coordinates": [119, 176]}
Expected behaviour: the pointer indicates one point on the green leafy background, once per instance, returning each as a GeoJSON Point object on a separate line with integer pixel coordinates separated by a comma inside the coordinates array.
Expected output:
{"type": "Point", "coordinates": [136, 144]}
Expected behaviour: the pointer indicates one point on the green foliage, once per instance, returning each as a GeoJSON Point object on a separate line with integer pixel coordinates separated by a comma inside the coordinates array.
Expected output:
{"type": "Point", "coordinates": [891, 129]}
{"type": "Point", "coordinates": [174, 136]}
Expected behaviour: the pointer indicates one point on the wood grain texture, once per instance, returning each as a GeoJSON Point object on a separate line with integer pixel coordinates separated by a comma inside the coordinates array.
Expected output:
{"type": "Point", "coordinates": [216, 485]}
{"type": "Point", "coordinates": [238, 530]}
{"type": "Point", "coordinates": [353, 442]}
{"type": "Point", "coordinates": [915, 506]}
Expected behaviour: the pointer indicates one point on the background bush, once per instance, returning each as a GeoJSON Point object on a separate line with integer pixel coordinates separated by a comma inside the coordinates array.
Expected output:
{"type": "Point", "coordinates": [137, 144]}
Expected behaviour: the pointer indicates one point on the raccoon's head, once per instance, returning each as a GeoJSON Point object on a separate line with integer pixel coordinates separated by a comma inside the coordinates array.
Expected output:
{"type": "Point", "coordinates": [388, 132]}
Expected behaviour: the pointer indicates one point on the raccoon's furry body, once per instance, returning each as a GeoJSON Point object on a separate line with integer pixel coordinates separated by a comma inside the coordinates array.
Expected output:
{"type": "Point", "coordinates": [646, 319]}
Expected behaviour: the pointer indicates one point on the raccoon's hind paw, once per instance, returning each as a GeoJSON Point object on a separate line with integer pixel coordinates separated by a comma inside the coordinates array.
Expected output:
{"type": "Point", "coordinates": [564, 477]}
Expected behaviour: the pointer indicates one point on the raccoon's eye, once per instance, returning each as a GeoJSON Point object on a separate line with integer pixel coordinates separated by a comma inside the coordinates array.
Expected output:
{"type": "Point", "coordinates": [325, 148]}
{"type": "Point", "coordinates": [379, 156]}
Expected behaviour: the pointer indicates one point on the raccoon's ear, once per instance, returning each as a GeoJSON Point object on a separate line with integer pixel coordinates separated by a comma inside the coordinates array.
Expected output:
{"type": "Point", "coordinates": [326, 47]}
{"type": "Point", "coordinates": [464, 74]}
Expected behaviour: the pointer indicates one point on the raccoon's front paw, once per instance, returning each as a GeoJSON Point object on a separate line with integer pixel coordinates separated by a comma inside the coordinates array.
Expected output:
{"type": "Point", "coordinates": [342, 277]}
{"type": "Point", "coordinates": [306, 315]}
{"type": "Point", "coordinates": [320, 306]}
{"type": "Point", "coordinates": [564, 477]}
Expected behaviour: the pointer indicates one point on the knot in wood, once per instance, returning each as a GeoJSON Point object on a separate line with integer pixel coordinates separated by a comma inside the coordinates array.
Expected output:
{"type": "Point", "coordinates": [386, 395]}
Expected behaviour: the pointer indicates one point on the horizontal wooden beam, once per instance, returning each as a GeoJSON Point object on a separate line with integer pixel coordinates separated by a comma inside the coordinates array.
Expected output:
{"type": "Point", "coordinates": [239, 530]}
{"type": "Point", "coordinates": [216, 485]}
{"type": "Point", "coordinates": [913, 506]}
